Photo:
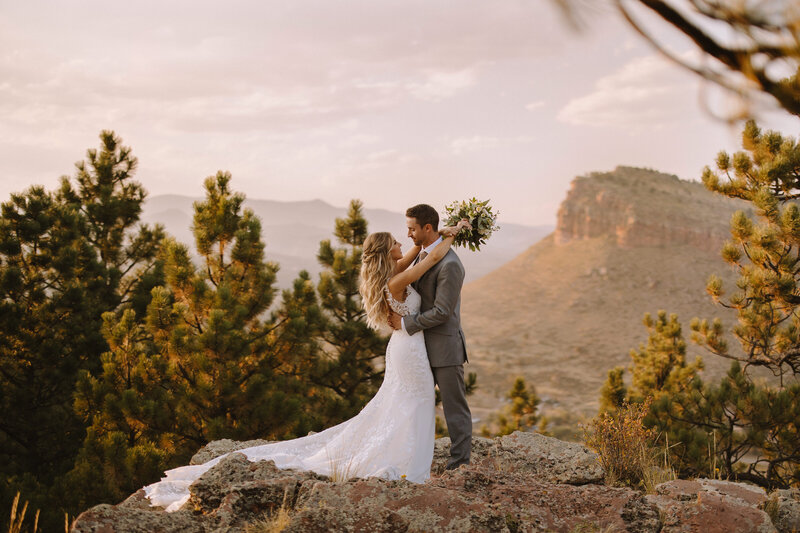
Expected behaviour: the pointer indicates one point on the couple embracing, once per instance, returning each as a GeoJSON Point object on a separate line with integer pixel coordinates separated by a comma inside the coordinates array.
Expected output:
{"type": "Point", "coordinates": [418, 295]}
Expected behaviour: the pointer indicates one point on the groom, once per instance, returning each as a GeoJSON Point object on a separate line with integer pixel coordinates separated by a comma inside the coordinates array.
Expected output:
{"type": "Point", "coordinates": [440, 319]}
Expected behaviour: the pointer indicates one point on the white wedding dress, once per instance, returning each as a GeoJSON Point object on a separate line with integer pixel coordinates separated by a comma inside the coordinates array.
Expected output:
{"type": "Point", "coordinates": [392, 437]}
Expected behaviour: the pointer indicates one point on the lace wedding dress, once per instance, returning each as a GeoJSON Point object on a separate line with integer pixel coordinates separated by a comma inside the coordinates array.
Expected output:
{"type": "Point", "coordinates": [392, 437]}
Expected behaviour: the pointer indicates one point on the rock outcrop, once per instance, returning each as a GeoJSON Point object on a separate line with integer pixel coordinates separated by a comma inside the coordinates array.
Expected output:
{"type": "Point", "coordinates": [711, 506]}
{"type": "Point", "coordinates": [783, 506]}
{"type": "Point", "coordinates": [521, 482]}
{"type": "Point", "coordinates": [537, 456]}
{"type": "Point", "coordinates": [640, 207]}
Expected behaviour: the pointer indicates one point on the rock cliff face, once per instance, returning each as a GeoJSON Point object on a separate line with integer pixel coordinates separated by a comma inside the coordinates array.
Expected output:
{"type": "Point", "coordinates": [521, 482]}
{"type": "Point", "coordinates": [640, 207]}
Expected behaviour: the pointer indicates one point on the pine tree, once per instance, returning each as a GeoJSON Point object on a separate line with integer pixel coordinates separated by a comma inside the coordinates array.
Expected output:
{"type": "Point", "coordinates": [523, 408]}
{"type": "Point", "coordinates": [49, 281]}
{"type": "Point", "coordinates": [110, 203]}
{"type": "Point", "coordinates": [708, 428]}
{"type": "Point", "coordinates": [614, 392]}
{"type": "Point", "coordinates": [766, 254]}
{"type": "Point", "coordinates": [128, 411]}
{"type": "Point", "coordinates": [296, 340]}
{"type": "Point", "coordinates": [660, 368]}
{"type": "Point", "coordinates": [657, 368]}
{"type": "Point", "coordinates": [207, 362]}
{"type": "Point", "coordinates": [659, 375]}
{"type": "Point", "coordinates": [352, 353]}
{"type": "Point", "coordinates": [210, 323]}
{"type": "Point", "coordinates": [521, 414]}
{"type": "Point", "coordinates": [64, 261]}
{"type": "Point", "coordinates": [758, 36]}
{"type": "Point", "coordinates": [739, 428]}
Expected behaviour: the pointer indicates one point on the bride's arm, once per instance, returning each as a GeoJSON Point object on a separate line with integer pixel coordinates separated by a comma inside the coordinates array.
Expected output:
{"type": "Point", "coordinates": [398, 282]}
{"type": "Point", "coordinates": [407, 259]}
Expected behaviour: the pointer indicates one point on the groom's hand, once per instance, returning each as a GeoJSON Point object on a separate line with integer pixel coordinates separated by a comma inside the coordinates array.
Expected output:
{"type": "Point", "coordinates": [394, 320]}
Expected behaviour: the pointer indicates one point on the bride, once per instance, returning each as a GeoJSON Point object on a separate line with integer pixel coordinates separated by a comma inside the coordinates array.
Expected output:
{"type": "Point", "coordinates": [392, 436]}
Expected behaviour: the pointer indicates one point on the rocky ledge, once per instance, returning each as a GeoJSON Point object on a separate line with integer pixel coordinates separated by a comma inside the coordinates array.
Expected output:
{"type": "Point", "coordinates": [520, 482]}
{"type": "Point", "coordinates": [639, 207]}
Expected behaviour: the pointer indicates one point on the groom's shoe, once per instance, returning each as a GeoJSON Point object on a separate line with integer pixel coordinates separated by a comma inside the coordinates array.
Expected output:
{"type": "Point", "coordinates": [456, 465]}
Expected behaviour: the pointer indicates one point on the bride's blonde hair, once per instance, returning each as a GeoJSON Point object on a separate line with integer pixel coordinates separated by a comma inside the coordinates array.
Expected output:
{"type": "Point", "coordinates": [377, 266]}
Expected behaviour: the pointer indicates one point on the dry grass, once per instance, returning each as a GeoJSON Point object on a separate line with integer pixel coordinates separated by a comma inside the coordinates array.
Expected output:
{"type": "Point", "coordinates": [624, 446]}
{"type": "Point", "coordinates": [15, 522]}
{"type": "Point", "coordinates": [712, 457]}
{"type": "Point", "coordinates": [659, 473]}
{"type": "Point", "coordinates": [341, 468]}
{"type": "Point", "coordinates": [656, 475]}
{"type": "Point", "coordinates": [771, 507]}
{"type": "Point", "coordinates": [272, 522]}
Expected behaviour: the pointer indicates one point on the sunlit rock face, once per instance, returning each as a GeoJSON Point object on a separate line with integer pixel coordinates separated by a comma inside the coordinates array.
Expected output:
{"type": "Point", "coordinates": [640, 207]}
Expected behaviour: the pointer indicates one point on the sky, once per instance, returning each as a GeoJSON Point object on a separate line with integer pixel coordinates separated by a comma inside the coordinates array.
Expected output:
{"type": "Point", "coordinates": [394, 102]}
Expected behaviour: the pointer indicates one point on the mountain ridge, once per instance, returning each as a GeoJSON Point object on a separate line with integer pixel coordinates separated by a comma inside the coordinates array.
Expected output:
{"type": "Point", "coordinates": [293, 230]}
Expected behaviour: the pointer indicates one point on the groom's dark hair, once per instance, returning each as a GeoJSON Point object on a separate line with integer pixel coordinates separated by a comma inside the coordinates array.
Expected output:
{"type": "Point", "coordinates": [424, 214]}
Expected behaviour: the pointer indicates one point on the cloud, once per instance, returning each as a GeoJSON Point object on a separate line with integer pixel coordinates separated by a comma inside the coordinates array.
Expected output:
{"type": "Point", "coordinates": [464, 145]}
{"type": "Point", "coordinates": [306, 98]}
{"type": "Point", "coordinates": [440, 85]}
{"type": "Point", "coordinates": [189, 65]}
{"type": "Point", "coordinates": [646, 91]}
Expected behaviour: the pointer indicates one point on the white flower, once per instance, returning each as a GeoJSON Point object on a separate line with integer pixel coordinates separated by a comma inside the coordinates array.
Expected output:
{"type": "Point", "coordinates": [483, 220]}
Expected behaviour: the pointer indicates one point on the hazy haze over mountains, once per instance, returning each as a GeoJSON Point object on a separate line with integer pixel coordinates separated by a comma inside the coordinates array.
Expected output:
{"type": "Point", "coordinates": [292, 232]}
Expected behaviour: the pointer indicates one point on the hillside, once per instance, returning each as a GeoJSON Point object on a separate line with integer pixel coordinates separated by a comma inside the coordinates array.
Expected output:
{"type": "Point", "coordinates": [570, 307]}
{"type": "Point", "coordinates": [292, 232]}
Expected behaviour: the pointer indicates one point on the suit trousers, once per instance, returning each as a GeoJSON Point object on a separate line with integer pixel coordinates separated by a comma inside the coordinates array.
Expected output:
{"type": "Point", "coordinates": [452, 390]}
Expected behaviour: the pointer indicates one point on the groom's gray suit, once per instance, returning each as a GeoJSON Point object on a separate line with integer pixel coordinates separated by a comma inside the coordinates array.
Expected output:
{"type": "Point", "coordinates": [440, 319]}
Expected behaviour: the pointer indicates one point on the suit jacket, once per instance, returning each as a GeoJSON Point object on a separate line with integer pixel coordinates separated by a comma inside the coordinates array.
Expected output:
{"type": "Point", "coordinates": [440, 312]}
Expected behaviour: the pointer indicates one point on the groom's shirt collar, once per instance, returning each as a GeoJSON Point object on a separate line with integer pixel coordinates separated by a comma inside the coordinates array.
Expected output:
{"type": "Point", "coordinates": [428, 249]}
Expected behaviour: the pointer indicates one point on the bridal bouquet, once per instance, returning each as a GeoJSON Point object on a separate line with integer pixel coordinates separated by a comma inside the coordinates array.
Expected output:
{"type": "Point", "coordinates": [480, 215]}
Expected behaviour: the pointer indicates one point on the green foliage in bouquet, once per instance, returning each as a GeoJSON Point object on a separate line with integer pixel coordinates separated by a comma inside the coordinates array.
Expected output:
{"type": "Point", "coordinates": [482, 217]}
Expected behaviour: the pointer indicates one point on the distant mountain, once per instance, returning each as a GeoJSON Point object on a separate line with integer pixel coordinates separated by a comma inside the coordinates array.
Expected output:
{"type": "Point", "coordinates": [292, 232]}
{"type": "Point", "coordinates": [570, 307]}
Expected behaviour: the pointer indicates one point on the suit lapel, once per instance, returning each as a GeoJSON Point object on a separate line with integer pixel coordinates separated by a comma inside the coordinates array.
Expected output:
{"type": "Point", "coordinates": [432, 271]}
{"type": "Point", "coordinates": [428, 280]}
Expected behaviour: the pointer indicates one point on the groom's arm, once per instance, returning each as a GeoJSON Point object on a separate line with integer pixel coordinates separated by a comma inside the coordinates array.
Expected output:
{"type": "Point", "coordinates": [449, 280]}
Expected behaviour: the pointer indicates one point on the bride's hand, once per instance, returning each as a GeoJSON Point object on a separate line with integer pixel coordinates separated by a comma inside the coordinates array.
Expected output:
{"type": "Point", "coordinates": [452, 231]}
{"type": "Point", "coordinates": [449, 231]}
{"type": "Point", "coordinates": [464, 223]}
{"type": "Point", "coordinates": [394, 320]}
